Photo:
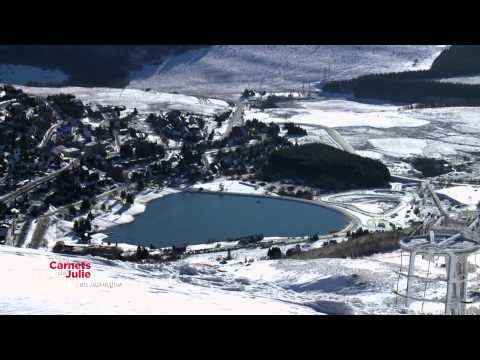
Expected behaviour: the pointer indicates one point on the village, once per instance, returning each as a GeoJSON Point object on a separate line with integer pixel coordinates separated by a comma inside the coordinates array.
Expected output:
{"type": "Point", "coordinates": [60, 157]}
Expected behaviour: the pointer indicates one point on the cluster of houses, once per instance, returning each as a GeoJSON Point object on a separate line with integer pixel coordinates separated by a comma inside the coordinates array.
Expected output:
{"type": "Point", "coordinates": [251, 155]}
{"type": "Point", "coordinates": [178, 125]}
{"type": "Point", "coordinates": [40, 136]}
{"type": "Point", "coordinates": [23, 122]}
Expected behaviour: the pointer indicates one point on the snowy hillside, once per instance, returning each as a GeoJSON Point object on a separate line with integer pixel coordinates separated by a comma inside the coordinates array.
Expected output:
{"type": "Point", "coordinates": [121, 288]}
{"type": "Point", "coordinates": [200, 285]}
{"type": "Point", "coordinates": [196, 286]}
{"type": "Point", "coordinates": [227, 70]}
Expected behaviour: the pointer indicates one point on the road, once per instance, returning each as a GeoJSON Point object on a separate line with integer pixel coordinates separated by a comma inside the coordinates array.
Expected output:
{"type": "Point", "coordinates": [44, 221]}
{"type": "Point", "coordinates": [436, 200]}
{"type": "Point", "coordinates": [4, 104]}
{"type": "Point", "coordinates": [117, 140]}
{"type": "Point", "coordinates": [339, 139]}
{"type": "Point", "coordinates": [48, 135]}
{"type": "Point", "coordinates": [235, 120]}
{"type": "Point", "coordinates": [404, 179]}
{"type": "Point", "coordinates": [38, 237]}
{"type": "Point", "coordinates": [22, 237]}
{"type": "Point", "coordinates": [335, 135]}
{"type": "Point", "coordinates": [65, 208]}
{"type": "Point", "coordinates": [205, 161]}
{"type": "Point", "coordinates": [28, 187]}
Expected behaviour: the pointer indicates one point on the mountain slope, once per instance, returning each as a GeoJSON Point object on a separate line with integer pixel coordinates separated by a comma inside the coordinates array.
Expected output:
{"type": "Point", "coordinates": [196, 285]}
{"type": "Point", "coordinates": [78, 65]}
{"type": "Point", "coordinates": [226, 70]}
{"type": "Point", "coordinates": [205, 70]}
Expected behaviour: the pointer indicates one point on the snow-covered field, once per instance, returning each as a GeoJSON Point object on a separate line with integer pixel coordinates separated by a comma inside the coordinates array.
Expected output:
{"type": "Point", "coordinates": [398, 147]}
{"type": "Point", "coordinates": [374, 207]}
{"type": "Point", "coordinates": [143, 101]}
{"type": "Point", "coordinates": [226, 70]}
{"type": "Point", "coordinates": [468, 195]}
{"type": "Point", "coordinates": [338, 113]}
{"type": "Point", "coordinates": [461, 119]}
{"type": "Point", "coordinates": [382, 130]}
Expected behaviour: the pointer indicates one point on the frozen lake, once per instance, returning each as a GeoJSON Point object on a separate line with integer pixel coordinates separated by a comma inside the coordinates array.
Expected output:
{"type": "Point", "coordinates": [197, 218]}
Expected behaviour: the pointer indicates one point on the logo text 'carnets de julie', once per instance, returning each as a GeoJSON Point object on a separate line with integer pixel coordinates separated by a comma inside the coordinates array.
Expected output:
{"type": "Point", "coordinates": [73, 269]}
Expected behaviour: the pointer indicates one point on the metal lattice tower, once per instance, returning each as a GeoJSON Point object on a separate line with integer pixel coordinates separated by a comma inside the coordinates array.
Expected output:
{"type": "Point", "coordinates": [455, 247]}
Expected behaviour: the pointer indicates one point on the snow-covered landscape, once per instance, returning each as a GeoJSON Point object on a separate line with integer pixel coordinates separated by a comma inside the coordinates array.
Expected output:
{"type": "Point", "coordinates": [227, 277]}
{"type": "Point", "coordinates": [226, 70]}
{"type": "Point", "coordinates": [143, 101]}
{"type": "Point", "coordinates": [193, 287]}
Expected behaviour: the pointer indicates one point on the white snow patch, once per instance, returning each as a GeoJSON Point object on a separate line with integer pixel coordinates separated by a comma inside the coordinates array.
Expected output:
{"type": "Point", "coordinates": [400, 147]}
{"type": "Point", "coordinates": [469, 195]}
{"type": "Point", "coordinates": [123, 214]}
{"type": "Point", "coordinates": [370, 154]}
{"type": "Point", "coordinates": [231, 186]}
{"type": "Point", "coordinates": [338, 114]}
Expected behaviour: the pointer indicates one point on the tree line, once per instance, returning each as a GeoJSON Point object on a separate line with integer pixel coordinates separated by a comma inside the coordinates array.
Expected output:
{"type": "Point", "coordinates": [421, 86]}
{"type": "Point", "coordinates": [325, 167]}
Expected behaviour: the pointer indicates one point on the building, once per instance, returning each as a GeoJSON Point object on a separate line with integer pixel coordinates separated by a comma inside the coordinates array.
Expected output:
{"type": "Point", "coordinates": [95, 148]}
{"type": "Point", "coordinates": [66, 153]}
{"type": "Point", "coordinates": [117, 173]}
{"type": "Point", "coordinates": [3, 232]}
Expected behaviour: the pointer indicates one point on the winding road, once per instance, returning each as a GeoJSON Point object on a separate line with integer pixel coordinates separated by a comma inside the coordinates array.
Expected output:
{"type": "Point", "coordinates": [4, 104]}
{"type": "Point", "coordinates": [48, 135]}
{"type": "Point", "coordinates": [30, 186]}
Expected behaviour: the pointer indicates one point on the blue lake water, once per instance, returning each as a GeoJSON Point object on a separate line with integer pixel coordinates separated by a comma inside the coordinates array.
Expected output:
{"type": "Point", "coordinates": [197, 218]}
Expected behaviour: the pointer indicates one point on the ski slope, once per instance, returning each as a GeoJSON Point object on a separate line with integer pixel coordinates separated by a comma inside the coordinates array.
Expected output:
{"type": "Point", "coordinates": [198, 285]}
{"type": "Point", "coordinates": [29, 286]}
{"type": "Point", "coordinates": [201, 285]}
{"type": "Point", "coordinates": [225, 70]}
